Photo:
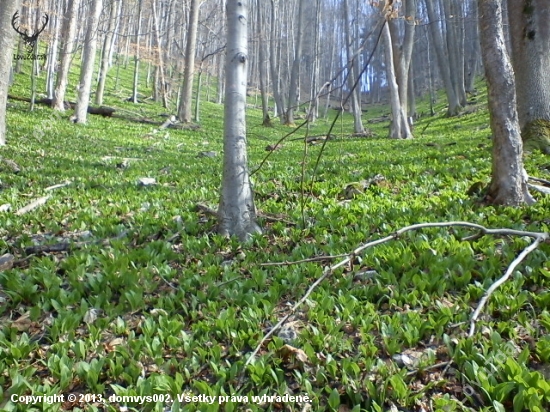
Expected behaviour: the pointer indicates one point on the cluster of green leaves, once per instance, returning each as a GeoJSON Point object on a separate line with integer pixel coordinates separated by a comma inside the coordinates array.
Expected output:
{"type": "Point", "coordinates": [151, 300]}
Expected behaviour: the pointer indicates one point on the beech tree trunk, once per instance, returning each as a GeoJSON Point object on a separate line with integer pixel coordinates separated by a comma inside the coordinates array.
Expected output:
{"type": "Point", "coordinates": [509, 180]}
{"type": "Point", "coordinates": [274, 65]}
{"type": "Point", "coordinates": [442, 60]}
{"type": "Point", "coordinates": [135, 87]}
{"type": "Point", "coordinates": [352, 75]}
{"type": "Point", "coordinates": [184, 109]}
{"type": "Point", "coordinates": [294, 87]}
{"type": "Point", "coordinates": [105, 58]}
{"type": "Point", "coordinates": [236, 212]}
{"type": "Point", "coordinates": [69, 47]}
{"type": "Point", "coordinates": [399, 127]}
{"type": "Point", "coordinates": [88, 59]}
{"type": "Point", "coordinates": [262, 65]}
{"type": "Point", "coordinates": [9, 7]}
{"type": "Point", "coordinates": [530, 37]}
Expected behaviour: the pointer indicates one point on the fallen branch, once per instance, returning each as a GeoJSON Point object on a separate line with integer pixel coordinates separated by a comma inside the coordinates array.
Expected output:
{"type": "Point", "coordinates": [6, 262]}
{"type": "Point", "coordinates": [68, 246]}
{"type": "Point", "coordinates": [12, 165]}
{"type": "Point", "coordinates": [101, 110]}
{"type": "Point", "coordinates": [539, 180]}
{"type": "Point", "coordinates": [538, 236]}
{"type": "Point", "coordinates": [308, 260]}
{"type": "Point", "coordinates": [67, 183]}
{"type": "Point", "coordinates": [171, 120]}
{"type": "Point", "coordinates": [539, 188]}
{"type": "Point", "coordinates": [33, 205]}
{"type": "Point", "coordinates": [503, 279]}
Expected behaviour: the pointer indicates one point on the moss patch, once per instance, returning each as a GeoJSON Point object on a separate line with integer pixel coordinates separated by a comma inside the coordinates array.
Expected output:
{"type": "Point", "coordinates": [536, 135]}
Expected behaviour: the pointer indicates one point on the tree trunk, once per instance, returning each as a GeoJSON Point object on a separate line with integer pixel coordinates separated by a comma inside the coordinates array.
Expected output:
{"type": "Point", "coordinates": [399, 127]}
{"type": "Point", "coordinates": [294, 87]}
{"type": "Point", "coordinates": [262, 63]}
{"type": "Point", "coordinates": [9, 7]}
{"type": "Point", "coordinates": [184, 109]}
{"type": "Point", "coordinates": [107, 44]}
{"type": "Point", "coordinates": [530, 35]}
{"type": "Point", "coordinates": [236, 213]}
{"type": "Point", "coordinates": [509, 180]}
{"type": "Point", "coordinates": [135, 87]}
{"type": "Point", "coordinates": [53, 52]}
{"type": "Point", "coordinates": [473, 58]}
{"type": "Point", "coordinates": [160, 69]}
{"type": "Point", "coordinates": [88, 59]}
{"type": "Point", "coordinates": [455, 53]}
{"type": "Point", "coordinates": [442, 59]}
{"type": "Point", "coordinates": [69, 46]}
{"type": "Point", "coordinates": [274, 64]}
{"type": "Point", "coordinates": [352, 74]}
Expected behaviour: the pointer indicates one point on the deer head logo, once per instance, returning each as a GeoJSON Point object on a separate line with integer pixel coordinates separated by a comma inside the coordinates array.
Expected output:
{"type": "Point", "coordinates": [30, 40]}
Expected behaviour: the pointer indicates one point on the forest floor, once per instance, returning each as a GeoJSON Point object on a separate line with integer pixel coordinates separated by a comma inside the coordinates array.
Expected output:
{"type": "Point", "coordinates": [118, 288]}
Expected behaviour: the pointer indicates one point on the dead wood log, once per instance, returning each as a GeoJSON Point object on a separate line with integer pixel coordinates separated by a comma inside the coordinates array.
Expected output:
{"type": "Point", "coordinates": [6, 262]}
{"type": "Point", "coordinates": [33, 205]}
{"type": "Point", "coordinates": [101, 110]}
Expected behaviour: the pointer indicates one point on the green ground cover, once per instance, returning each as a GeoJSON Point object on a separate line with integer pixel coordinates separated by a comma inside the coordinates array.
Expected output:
{"type": "Point", "coordinates": [151, 301]}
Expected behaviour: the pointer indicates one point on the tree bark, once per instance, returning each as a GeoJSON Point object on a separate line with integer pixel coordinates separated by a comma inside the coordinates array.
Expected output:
{"type": "Point", "coordinates": [7, 10]}
{"type": "Point", "coordinates": [352, 74]}
{"type": "Point", "coordinates": [399, 127]}
{"type": "Point", "coordinates": [509, 180]}
{"type": "Point", "coordinates": [262, 65]}
{"type": "Point", "coordinates": [274, 64]}
{"type": "Point", "coordinates": [69, 46]}
{"type": "Point", "coordinates": [184, 109]}
{"type": "Point", "coordinates": [236, 213]}
{"type": "Point", "coordinates": [294, 87]}
{"type": "Point", "coordinates": [530, 37]}
{"type": "Point", "coordinates": [442, 59]}
{"type": "Point", "coordinates": [107, 44]}
{"type": "Point", "coordinates": [135, 87]}
{"type": "Point", "coordinates": [88, 59]}
{"type": "Point", "coordinates": [53, 52]}
{"type": "Point", "coordinates": [160, 68]}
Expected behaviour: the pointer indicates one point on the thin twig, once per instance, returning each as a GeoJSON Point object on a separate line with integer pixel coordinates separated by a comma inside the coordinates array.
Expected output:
{"type": "Point", "coordinates": [503, 279]}
{"type": "Point", "coordinates": [66, 183]}
{"type": "Point", "coordinates": [296, 262]}
{"type": "Point", "coordinates": [538, 236]}
{"type": "Point", "coordinates": [429, 368]}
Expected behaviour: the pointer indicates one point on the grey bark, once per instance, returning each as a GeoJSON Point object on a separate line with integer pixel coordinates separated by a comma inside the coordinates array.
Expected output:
{"type": "Point", "coordinates": [509, 180]}
{"type": "Point", "coordinates": [262, 61]}
{"type": "Point", "coordinates": [135, 87]}
{"type": "Point", "coordinates": [53, 52]}
{"type": "Point", "coordinates": [88, 59]}
{"type": "Point", "coordinates": [294, 86]}
{"type": "Point", "coordinates": [185, 104]}
{"type": "Point", "coordinates": [473, 57]}
{"type": "Point", "coordinates": [399, 127]}
{"type": "Point", "coordinates": [352, 74]}
{"type": "Point", "coordinates": [160, 56]}
{"type": "Point", "coordinates": [236, 212]}
{"type": "Point", "coordinates": [7, 10]}
{"type": "Point", "coordinates": [453, 17]}
{"type": "Point", "coordinates": [274, 65]}
{"type": "Point", "coordinates": [442, 60]}
{"type": "Point", "coordinates": [69, 46]}
{"type": "Point", "coordinates": [107, 45]}
{"type": "Point", "coordinates": [530, 40]}
{"type": "Point", "coordinates": [402, 57]}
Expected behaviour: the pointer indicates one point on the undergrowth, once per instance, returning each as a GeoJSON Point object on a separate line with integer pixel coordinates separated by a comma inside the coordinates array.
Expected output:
{"type": "Point", "coordinates": [149, 300]}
